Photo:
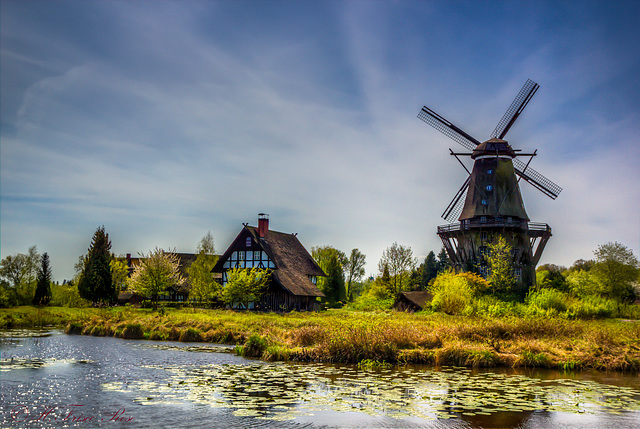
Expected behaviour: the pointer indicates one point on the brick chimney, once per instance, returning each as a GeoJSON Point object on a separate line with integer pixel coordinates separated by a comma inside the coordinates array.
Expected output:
{"type": "Point", "coordinates": [263, 224]}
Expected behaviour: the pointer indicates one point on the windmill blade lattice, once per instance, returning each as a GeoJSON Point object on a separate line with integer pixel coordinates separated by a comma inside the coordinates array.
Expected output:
{"type": "Point", "coordinates": [536, 179]}
{"type": "Point", "coordinates": [447, 128]}
{"type": "Point", "coordinates": [517, 106]}
{"type": "Point", "coordinates": [453, 210]}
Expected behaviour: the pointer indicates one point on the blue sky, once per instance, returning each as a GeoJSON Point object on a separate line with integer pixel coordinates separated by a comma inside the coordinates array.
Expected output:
{"type": "Point", "coordinates": [165, 120]}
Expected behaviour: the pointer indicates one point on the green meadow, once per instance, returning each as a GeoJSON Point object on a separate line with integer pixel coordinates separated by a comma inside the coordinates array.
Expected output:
{"type": "Point", "coordinates": [367, 338]}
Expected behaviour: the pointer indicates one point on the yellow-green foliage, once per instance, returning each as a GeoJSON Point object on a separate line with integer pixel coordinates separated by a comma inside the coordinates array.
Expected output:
{"type": "Point", "coordinates": [67, 296]}
{"type": "Point", "coordinates": [453, 292]}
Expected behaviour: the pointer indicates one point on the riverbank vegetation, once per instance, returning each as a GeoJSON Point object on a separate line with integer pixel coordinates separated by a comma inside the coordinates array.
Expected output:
{"type": "Point", "coordinates": [354, 336]}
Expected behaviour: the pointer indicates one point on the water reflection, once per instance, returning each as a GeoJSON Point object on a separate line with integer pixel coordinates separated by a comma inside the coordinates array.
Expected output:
{"type": "Point", "coordinates": [158, 383]}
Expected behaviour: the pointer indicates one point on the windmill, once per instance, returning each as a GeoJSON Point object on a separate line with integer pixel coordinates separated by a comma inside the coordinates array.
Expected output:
{"type": "Point", "coordinates": [489, 202]}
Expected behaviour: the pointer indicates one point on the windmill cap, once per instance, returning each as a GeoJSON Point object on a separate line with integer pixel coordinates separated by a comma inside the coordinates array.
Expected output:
{"type": "Point", "coordinates": [493, 147]}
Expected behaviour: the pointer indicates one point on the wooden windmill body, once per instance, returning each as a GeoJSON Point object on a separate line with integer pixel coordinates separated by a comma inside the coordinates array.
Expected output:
{"type": "Point", "coordinates": [489, 203]}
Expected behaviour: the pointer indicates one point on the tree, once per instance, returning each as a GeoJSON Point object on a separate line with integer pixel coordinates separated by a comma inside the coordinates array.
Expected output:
{"type": "Point", "coordinates": [443, 261]}
{"type": "Point", "coordinates": [157, 271]}
{"type": "Point", "coordinates": [96, 283]}
{"type": "Point", "coordinates": [244, 286]}
{"type": "Point", "coordinates": [617, 269]}
{"type": "Point", "coordinates": [20, 272]}
{"type": "Point", "coordinates": [119, 274]}
{"type": "Point", "coordinates": [331, 261]}
{"type": "Point", "coordinates": [582, 265]}
{"type": "Point", "coordinates": [203, 286]}
{"type": "Point", "coordinates": [206, 245]}
{"type": "Point", "coordinates": [355, 270]}
{"type": "Point", "coordinates": [501, 275]}
{"type": "Point", "coordinates": [428, 270]}
{"type": "Point", "coordinates": [400, 261]}
{"type": "Point", "coordinates": [42, 295]}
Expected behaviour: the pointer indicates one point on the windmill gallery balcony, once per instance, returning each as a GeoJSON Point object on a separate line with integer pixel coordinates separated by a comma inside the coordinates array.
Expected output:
{"type": "Point", "coordinates": [535, 229]}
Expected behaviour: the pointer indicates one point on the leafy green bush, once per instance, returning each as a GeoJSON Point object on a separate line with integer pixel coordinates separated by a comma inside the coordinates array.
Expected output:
{"type": "Point", "coordinates": [67, 296]}
{"type": "Point", "coordinates": [592, 307]}
{"type": "Point", "coordinates": [451, 293]}
{"type": "Point", "coordinates": [8, 296]}
{"type": "Point", "coordinates": [490, 306]}
{"type": "Point", "coordinates": [583, 284]}
{"type": "Point", "coordinates": [369, 302]}
{"type": "Point", "coordinates": [549, 299]}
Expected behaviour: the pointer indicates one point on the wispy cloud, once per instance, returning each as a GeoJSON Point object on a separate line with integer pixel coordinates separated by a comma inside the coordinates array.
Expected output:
{"type": "Point", "coordinates": [164, 122]}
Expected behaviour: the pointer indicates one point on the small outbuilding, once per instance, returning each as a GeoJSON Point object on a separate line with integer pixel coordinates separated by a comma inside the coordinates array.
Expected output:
{"type": "Point", "coordinates": [412, 301]}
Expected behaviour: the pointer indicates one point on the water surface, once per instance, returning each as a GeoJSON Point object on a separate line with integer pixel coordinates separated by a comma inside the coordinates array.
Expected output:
{"type": "Point", "coordinates": [50, 379]}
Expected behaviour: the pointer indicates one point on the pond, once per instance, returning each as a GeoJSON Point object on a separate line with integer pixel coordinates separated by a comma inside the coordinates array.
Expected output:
{"type": "Point", "coordinates": [50, 379]}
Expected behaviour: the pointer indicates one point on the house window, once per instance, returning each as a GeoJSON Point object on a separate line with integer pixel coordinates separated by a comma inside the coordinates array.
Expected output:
{"type": "Point", "coordinates": [517, 272]}
{"type": "Point", "coordinates": [241, 255]}
{"type": "Point", "coordinates": [256, 255]}
{"type": "Point", "coordinates": [483, 218]}
{"type": "Point", "coordinates": [509, 219]}
{"type": "Point", "coordinates": [483, 250]}
{"type": "Point", "coordinates": [313, 279]}
{"type": "Point", "coordinates": [248, 242]}
{"type": "Point", "coordinates": [485, 235]}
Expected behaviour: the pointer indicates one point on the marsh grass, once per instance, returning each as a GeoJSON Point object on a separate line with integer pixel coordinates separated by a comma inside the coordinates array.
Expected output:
{"type": "Point", "coordinates": [347, 336]}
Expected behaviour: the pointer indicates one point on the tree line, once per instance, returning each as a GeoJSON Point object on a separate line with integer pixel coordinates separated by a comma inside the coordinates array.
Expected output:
{"type": "Point", "coordinates": [100, 276]}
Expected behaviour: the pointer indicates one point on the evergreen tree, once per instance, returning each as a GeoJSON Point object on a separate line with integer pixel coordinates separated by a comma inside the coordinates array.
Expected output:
{"type": "Point", "coordinates": [96, 283]}
{"type": "Point", "coordinates": [43, 284]}
{"type": "Point", "coordinates": [429, 270]}
{"type": "Point", "coordinates": [443, 261]}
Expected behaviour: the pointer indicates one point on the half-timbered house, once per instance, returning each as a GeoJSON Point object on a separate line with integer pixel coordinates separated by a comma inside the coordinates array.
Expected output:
{"type": "Point", "coordinates": [293, 270]}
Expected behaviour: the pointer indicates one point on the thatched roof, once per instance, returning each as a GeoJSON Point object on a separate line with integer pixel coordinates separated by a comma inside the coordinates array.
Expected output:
{"type": "Point", "coordinates": [416, 299]}
{"type": "Point", "coordinates": [293, 264]}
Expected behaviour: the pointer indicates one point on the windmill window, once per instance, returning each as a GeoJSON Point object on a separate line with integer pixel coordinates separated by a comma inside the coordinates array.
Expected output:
{"type": "Point", "coordinates": [484, 203]}
{"type": "Point", "coordinates": [489, 187]}
{"type": "Point", "coordinates": [489, 171]}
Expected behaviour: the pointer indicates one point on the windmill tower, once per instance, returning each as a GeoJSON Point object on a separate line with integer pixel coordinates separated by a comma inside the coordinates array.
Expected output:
{"type": "Point", "coordinates": [489, 202]}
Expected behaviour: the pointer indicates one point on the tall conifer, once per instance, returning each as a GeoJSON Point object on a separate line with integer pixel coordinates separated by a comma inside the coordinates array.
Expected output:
{"type": "Point", "coordinates": [95, 282]}
{"type": "Point", "coordinates": [43, 284]}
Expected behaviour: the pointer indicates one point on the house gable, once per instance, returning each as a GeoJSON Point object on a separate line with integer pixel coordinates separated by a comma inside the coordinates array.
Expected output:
{"type": "Point", "coordinates": [293, 268]}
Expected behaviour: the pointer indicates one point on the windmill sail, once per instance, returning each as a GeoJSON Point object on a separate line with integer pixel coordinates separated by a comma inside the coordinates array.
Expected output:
{"type": "Point", "coordinates": [517, 106]}
{"type": "Point", "coordinates": [447, 128]}
{"type": "Point", "coordinates": [454, 208]}
{"type": "Point", "coordinates": [536, 179]}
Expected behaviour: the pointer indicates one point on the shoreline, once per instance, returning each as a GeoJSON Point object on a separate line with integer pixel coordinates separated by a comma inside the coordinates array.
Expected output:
{"type": "Point", "coordinates": [370, 338]}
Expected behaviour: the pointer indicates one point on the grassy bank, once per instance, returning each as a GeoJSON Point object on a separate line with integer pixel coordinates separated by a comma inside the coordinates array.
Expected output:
{"type": "Point", "coordinates": [352, 336]}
